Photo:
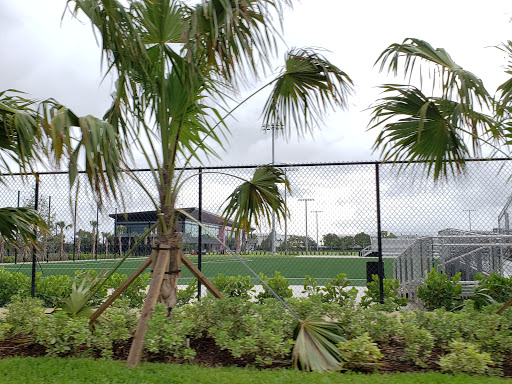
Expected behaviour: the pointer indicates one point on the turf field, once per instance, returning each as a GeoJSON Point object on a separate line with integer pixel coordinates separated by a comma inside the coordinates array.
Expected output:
{"type": "Point", "coordinates": [293, 268]}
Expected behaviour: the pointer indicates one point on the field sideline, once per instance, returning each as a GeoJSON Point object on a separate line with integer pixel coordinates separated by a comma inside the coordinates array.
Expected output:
{"type": "Point", "coordinates": [293, 268]}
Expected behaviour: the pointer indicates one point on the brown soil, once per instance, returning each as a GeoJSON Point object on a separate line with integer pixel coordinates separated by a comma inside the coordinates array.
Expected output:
{"type": "Point", "coordinates": [209, 354]}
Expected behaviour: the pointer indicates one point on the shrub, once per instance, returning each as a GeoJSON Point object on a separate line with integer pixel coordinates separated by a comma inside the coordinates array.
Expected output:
{"type": "Point", "coordinates": [381, 326]}
{"type": "Point", "coordinates": [24, 315]}
{"type": "Point", "coordinates": [53, 289]}
{"type": "Point", "coordinates": [61, 334]}
{"type": "Point", "coordinates": [360, 352]}
{"type": "Point", "coordinates": [279, 285]}
{"type": "Point", "coordinates": [116, 324]}
{"type": "Point", "coordinates": [12, 283]}
{"type": "Point", "coordinates": [418, 342]}
{"type": "Point", "coordinates": [492, 288]}
{"type": "Point", "coordinates": [440, 292]}
{"type": "Point", "coordinates": [185, 296]}
{"type": "Point", "coordinates": [261, 331]}
{"type": "Point", "coordinates": [234, 286]}
{"type": "Point", "coordinates": [392, 301]}
{"type": "Point", "coordinates": [465, 358]}
{"type": "Point", "coordinates": [335, 291]}
{"type": "Point", "coordinates": [169, 335]}
{"type": "Point", "coordinates": [135, 293]}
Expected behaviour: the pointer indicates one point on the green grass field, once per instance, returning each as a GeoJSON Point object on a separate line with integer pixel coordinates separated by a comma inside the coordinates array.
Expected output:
{"type": "Point", "coordinates": [73, 371]}
{"type": "Point", "coordinates": [292, 267]}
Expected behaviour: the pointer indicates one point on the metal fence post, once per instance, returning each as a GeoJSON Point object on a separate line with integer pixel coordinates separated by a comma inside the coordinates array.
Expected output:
{"type": "Point", "coordinates": [379, 235]}
{"type": "Point", "coordinates": [16, 247]}
{"type": "Point", "coordinates": [34, 257]}
{"type": "Point", "coordinates": [74, 227]}
{"type": "Point", "coordinates": [200, 229]}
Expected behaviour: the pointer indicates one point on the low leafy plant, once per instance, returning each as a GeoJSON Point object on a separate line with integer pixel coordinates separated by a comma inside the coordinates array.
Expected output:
{"type": "Point", "coordinates": [383, 327]}
{"type": "Point", "coordinates": [24, 315]}
{"type": "Point", "coordinates": [5, 330]}
{"type": "Point", "coordinates": [466, 358]}
{"type": "Point", "coordinates": [440, 292]}
{"type": "Point", "coordinates": [53, 289]}
{"type": "Point", "coordinates": [337, 290]}
{"type": "Point", "coordinates": [11, 284]}
{"type": "Point", "coordinates": [234, 286]}
{"type": "Point", "coordinates": [135, 293]}
{"type": "Point", "coordinates": [279, 285]}
{"type": "Point", "coordinates": [492, 289]}
{"type": "Point", "coordinates": [259, 331]}
{"type": "Point", "coordinates": [115, 325]}
{"type": "Point", "coordinates": [418, 342]}
{"type": "Point", "coordinates": [392, 300]}
{"type": "Point", "coordinates": [169, 335]}
{"type": "Point", "coordinates": [185, 296]}
{"type": "Point", "coordinates": [360, 352]}
{"type": "Point", "coordinates": [62, 334]}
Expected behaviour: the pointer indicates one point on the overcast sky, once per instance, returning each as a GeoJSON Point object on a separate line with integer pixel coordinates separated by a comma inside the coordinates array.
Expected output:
{"type": "Point", "coordinates": [48, 58]}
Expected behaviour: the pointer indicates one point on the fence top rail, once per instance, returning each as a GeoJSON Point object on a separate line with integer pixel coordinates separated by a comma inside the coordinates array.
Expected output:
{"type": "Point", "coordinates": [284, 165]}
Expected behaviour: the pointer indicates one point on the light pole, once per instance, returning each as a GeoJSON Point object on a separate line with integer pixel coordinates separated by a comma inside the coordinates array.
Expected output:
{"type": "Point", "coordinates": [316, 212]}
{"type": "Point", "coordinates": [273, 127]}
{"type": "Point", "coordinates": [469, 216]}
{"type": "Point", "coordinates": [306, 206]}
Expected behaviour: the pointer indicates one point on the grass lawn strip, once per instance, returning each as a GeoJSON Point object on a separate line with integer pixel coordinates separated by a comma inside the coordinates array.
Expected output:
{"type": "Point", "coordinates": [74, 371]}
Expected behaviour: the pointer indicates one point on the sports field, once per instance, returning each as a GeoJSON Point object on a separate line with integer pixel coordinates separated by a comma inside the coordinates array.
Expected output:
{"type": "Point", "coordinates": [293, 268]}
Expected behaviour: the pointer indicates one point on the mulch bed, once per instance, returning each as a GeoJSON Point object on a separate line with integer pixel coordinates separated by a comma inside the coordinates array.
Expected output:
{"type": "Point", "coordinates": [210, 355]}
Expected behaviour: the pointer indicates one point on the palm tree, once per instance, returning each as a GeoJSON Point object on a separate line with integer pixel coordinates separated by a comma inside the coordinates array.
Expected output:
{"type": "Point", "coordinates": [106, 237]}
{"type": "Point", "coordinates": [120, 230]}
{"type": "Point", "coordinates": [94, 225]}
{"type": "Point", "coordinates": [62, 226]}
{"type": "Point", "coordinates": [437, 129]}
{"type": "Point", "coordinates": [174, 63]}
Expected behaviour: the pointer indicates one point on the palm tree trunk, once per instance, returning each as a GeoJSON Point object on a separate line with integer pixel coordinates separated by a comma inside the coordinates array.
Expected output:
{"type": "Point", "coordinates": [61, 250]}
{"type": "Point", "coordinates": [169, 290]}
{"type": "Point", "coordinates": [78, 248]}
{"type": "Point", "coordinates": [2, 249]}
{"type": "Point", "coordinates": [93, 245]}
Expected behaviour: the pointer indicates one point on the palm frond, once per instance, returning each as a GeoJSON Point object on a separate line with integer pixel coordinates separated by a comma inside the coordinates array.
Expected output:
{"type": "Point", "coordinates": [456, 82]}
{"type": "Point", "coordinates": [19, 131]}
{"type": "Point", "coordinates": [304, 91]}
{"type": "Point", "coordinates": [97, 142]}
{"type": "Point", "coordinates": [417, 128]}
{"type": "Point", "coordinates": [232, 36]}
{"type": "Point", "coordinates": [316, 346]}
{"type": "Point", "coordinates": [21, 224]}
{"type": "Point", "coordinates": [254, 200]}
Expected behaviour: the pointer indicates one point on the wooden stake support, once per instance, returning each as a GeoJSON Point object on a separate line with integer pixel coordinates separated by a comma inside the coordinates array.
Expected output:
{"type": "Point", "coordinates": [160, 258]}
{"type": "Point", "coordinates": [505, 306]}
{"type": "Point", "coordinates": [122, 288]}
{"type": "Point", "coordinates": [159, 268]}
{"type": "Point", "coordinates": [200, 276]}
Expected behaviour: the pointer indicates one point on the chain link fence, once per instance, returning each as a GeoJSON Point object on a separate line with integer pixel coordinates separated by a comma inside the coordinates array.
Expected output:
{"type": "Point", "coordinates": [332, 225]}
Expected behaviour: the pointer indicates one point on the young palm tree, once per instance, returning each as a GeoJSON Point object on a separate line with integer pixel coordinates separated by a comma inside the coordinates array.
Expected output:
{"type": "Point", "coordinates": [94, 225]}
{"type": "Point", "coordinates": [106, 237]}
{"type": "Point", "coordinates": [62, 226]}
{"type": "Point", "coordinates": [120, 230]}
{"type": "Point", "coordinates": [437, 129]}
{"type": "Point", "coordinates": [175, 62]}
